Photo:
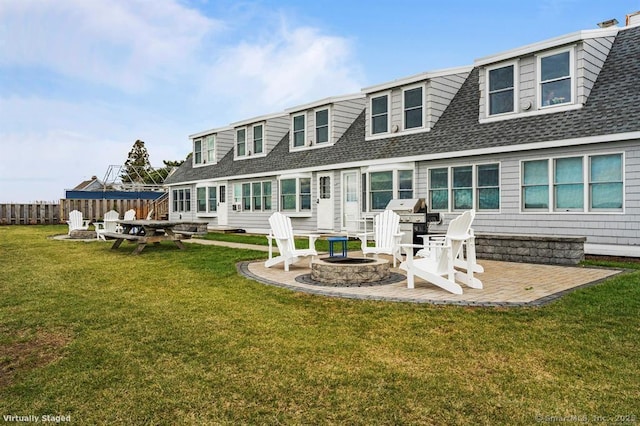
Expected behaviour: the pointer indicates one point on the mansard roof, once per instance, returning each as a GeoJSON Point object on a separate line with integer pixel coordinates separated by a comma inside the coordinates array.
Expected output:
{"type": "Point", "coordinates": [613, 107]}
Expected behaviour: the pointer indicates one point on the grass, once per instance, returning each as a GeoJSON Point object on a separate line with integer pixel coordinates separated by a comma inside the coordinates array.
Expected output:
{"type": "Point", "coordinates": [177, 337]}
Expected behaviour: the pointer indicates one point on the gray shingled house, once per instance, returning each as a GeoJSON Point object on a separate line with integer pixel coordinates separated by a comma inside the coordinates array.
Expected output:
{"type": "Point", "coordinates": [542, 139]}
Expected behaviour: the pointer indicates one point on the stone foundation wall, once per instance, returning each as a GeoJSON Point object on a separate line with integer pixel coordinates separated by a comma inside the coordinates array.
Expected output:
{"type": "Point", "coordinates": [548, 249]}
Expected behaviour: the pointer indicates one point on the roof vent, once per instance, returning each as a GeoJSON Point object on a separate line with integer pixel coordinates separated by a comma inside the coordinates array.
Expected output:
{"type": "Point", "coordinates": [610, 23]}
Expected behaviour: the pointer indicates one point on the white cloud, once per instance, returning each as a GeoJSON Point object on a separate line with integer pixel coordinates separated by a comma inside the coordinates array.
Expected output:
{"type": "Point", "coordinates": [118, 43]}
{"type": "Point", "coordinates": [293, 66]}
{"type": "Point", "coordinates": [108, 72]}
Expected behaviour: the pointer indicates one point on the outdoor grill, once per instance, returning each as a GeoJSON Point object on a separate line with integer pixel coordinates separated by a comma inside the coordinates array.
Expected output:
{"type": "Point", "coordinates": [414, 219]}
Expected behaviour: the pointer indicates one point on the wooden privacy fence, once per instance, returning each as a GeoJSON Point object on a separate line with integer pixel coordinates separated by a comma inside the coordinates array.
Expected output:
{"type": "Point", "coordinates": [94, 210]}
{"type": "Point", "coordinates": [30, 214]}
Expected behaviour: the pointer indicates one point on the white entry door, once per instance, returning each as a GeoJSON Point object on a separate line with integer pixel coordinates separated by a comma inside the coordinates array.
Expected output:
{"type": "Point", "coordinates": [350, 203]}
{"type": "Point", "coordinates": [325, 201]}
{"type": "Point", "coordinates": [223, 212]}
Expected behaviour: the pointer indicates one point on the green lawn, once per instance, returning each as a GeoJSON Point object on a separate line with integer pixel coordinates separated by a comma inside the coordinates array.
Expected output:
{"type": "Point", "coordinates": [177, 337]}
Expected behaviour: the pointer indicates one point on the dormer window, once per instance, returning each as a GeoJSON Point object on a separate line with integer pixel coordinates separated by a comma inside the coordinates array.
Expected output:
{"type": "Point", "coordinates": [412, 102]}
{"type": "Point", "coordinates": [380, 114]}
{"type": "Point", "coordinates": [501, 90]}
{"type": "Point", "coordinates": [299, 130]}
{"type": "Point", "coordinates": [204, 150]}
{"type": "Point", "coordinates": [322, 126]}
{"type": "Point", "coordinates": [241, 142]}
{"type": "Point", "coordinates": [258, 137]}
{"type": "Point", "coordinates": [556, 78]}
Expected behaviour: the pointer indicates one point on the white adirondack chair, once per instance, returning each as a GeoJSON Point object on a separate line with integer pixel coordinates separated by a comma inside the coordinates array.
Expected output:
{"type": "Point", "coordinates": [466, 258]}
{"type": "Point", "coordinates": [128, 215]}
{"type": "Point", "coordinates": [438, 267]}
{"type": "Point", "coordinates": [282, 233]}
{"type": "Point", "coordinates": [109, 224]}
{"type": "Point", "coordinates": [386, 236]}
{"type": "Point", "coordinates": [76, 222]}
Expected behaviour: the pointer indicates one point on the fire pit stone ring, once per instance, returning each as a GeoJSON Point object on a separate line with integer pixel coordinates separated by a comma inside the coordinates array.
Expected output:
{"type": "Point", "coordinates": [349, 270]}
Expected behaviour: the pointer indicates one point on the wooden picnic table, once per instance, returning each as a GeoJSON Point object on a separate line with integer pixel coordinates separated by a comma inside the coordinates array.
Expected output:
{"type": "Point", "coordinates": [144, 232]}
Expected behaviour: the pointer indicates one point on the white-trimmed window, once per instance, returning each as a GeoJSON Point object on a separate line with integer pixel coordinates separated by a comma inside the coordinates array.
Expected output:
{"type": "Point", "coordinates": [298, 126]}
{"type": "Point", "coordinates": [206, 199]}
{"type": "Point", "coordinates": [555, 74]}
{"type": "Point", "coordinates": [322, 125]}
{"type": "Point", "coordinates": [386, 185]}
{"type": "Point", "coordinates": [253, 196]}
{"type": "Point", "coordinates": [241, 142]}
{"type": "Point", "coordinates": [295, 194]}
{"type": "Point", "coordinates": [413, 109]}
{"type": "Point", "coordinates": [204, 150]}
{"type": "Point", "coordinates": [258, 138]}
{"type": "Point", "coordinates": [501, 89]}
{"type": "Point", "coordinates": [380, 114]}
{"type": "Point", "coordinates": [465, 187]}
{"type": "Point", "coordinates": [181, 200]}
{"type": "Point", "coordinates": [573, 184]}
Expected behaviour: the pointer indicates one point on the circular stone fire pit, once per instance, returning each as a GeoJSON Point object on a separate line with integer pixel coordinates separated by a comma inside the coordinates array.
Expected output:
{"type": "Point", "coordinates": [349, 270]}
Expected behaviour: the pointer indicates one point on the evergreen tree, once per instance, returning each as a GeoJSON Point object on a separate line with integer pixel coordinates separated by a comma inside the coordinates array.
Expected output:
{"type": "Point", "coordinates": [137, 166]}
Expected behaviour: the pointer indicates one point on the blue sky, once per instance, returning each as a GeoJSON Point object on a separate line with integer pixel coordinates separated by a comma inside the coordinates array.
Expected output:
{"type": "Point", "coordinates": [81, 80]}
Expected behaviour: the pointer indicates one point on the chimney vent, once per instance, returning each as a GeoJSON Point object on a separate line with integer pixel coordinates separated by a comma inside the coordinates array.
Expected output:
{"type": "Point", "coordinates": [609, 23]}
{"type": "Point", "coordinates": [633, 18]}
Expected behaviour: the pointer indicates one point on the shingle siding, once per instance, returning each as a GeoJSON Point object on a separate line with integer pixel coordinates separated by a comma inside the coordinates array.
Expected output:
{"type": "Point", "coordinates": [610, 91]}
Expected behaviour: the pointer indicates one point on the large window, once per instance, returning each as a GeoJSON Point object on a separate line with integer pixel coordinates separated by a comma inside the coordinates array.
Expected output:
{"type": "Point", "coordinates": [253, 196]}
{"type": "Point", "coordinates": [181, 200]}
{"type": "Point", "coordinates": [204, 150]}
{"type": "Point", "coordinates": [295, 194]}
{"type": "Point", "coordinates": [258, 138]}
{"type": "Point", "coordinates": [322, 126]}
{"type": "Point", "coordinates": [380, 114]}
{"type": "Point", "coordinates": [439, 189]}
{"type": "Point", "coordinates": [465, 187]}
{"type": "Point", "coordinates": [501, 90]}
{"type": "Point", "coordinates": [555, 73]}
{"type": "Point", "coordinates": [413, 99]}
{"type": "Point", "coordinates": [387, 185]}
{"type": "Point", "coordinates": [381, 192]}
{"type": "Point", "coordinates": [241, 142]}
{"type": "Point", "coordinates": [299, 130]}
{"type": "Point", "coordinates": [488, 187]}
{"type": "Point", "coordinates": [535, 185]}
{"type": "Point", "coordinates": [605, 182]}
{"type": "Point", "coordinates": [568, 187]}
{"type": "Point", "coordinates": [206, 199]}
{"type": "Point", "coordinates": [564, 184]}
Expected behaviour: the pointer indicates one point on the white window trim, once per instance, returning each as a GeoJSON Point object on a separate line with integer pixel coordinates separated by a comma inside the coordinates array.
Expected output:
{"type": "Point", "coordinates": [292, 147]}
{"type": "Point", "coordinates": [424, 107]}
{"type": "Point", "coordinates": [186, 208]}
{"type": "Point", "coordinates": [586, 164]}
{"type": "Point", "coordinates": [193, 159]}
{"type": "Point", "coordinates": [516, 89]}
{"type": "Point", "coordinates": [297, 212]}
{"type": "Point", "coordinates": [474, 187]}
{"type": "Point", "coordinates": [370, 114]}
{"type": "Point", "coordinates": [572, 76]}
{"type": "Point", "coordinates": [235, 144]}
{"type": "Point", "coordinates": [330, 140]}
{"type": "Point", "coordinates": [250, 152]}
{"type": "Point", "coordinates": [394, 168]}
{"type": "Point", "coordinates": [207, 186]}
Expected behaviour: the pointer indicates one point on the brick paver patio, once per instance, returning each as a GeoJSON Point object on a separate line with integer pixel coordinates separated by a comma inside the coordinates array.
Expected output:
{"type": "Point", "coordinates": [505, 284]}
